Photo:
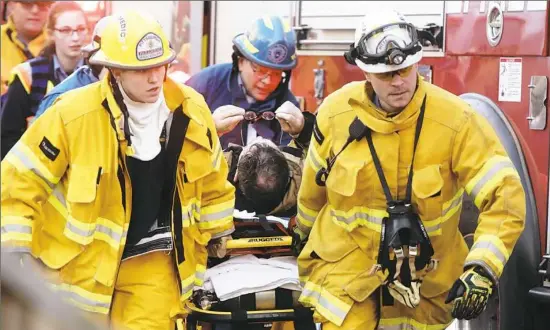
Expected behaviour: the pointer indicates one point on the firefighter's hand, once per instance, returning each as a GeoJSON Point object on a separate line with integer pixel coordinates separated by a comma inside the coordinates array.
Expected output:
{"type": "Point", "coordinates": [227, 117]}
{"type": "Point", "coordinates": [299, 240]}
{"type": "Point", "coordinates": [217, 248]}
{"type": "Point", "coordinates": [470, 294]}
{"type": "Point", "coordinates": [290, 118]}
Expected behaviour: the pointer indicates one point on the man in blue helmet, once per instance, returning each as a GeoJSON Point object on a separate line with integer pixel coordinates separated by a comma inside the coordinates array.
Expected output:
{"type": "Point", "coordinates": [247, 95]}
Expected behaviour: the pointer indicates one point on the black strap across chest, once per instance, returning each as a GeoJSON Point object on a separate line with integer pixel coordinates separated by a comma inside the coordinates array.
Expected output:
{"type": "Point", "coordinates": [378, 165]}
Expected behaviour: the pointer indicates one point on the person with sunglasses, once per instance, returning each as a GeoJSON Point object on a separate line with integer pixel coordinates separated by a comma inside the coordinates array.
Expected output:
{"type": "Point", "coordinates": [67, 31]}
{"type": "Point", "coordinates": [83, 76]}
{"type": "Point", "coordinates": [22, 37]}
{"type": "Point", "coordinates": [381, 194]}
{"type": "Point", "coordinates": [250, 96]}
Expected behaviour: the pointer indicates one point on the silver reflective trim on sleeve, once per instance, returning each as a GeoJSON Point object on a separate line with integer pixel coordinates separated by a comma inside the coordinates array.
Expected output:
{"type": "Point", "coordinates": [30, 165]}
{"type": "Point", "coordinates": [491, 247]}
{"type": "Point", "coordinates": [305, 216]}
{"type": "Point", "coordinates": [317, 297]}
{"type": "Point", "coordinates": [217, 215]}
{"type": "Point", "coordinates": [13, 228]}
{"type": "Point", "coordinates": [489, 175]}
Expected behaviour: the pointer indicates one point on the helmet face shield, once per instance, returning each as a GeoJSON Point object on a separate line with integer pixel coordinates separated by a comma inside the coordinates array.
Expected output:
{"type": "Point", "coordinates": [389, 44]}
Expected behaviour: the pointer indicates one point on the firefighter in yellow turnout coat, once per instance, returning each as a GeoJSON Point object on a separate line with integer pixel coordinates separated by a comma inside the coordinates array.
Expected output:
{"type": "Point", "coordinates": [69, 189]}
{"type": "Point", "coordinates": [343, 209]}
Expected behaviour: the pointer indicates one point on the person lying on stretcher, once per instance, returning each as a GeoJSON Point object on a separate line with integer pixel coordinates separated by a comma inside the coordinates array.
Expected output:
{"type": "Point", "coordinates": [266, 177]}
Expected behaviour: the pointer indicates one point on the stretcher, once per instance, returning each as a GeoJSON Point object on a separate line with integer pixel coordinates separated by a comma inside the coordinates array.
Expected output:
{"type": "Point", "coordinates": [259, 310]}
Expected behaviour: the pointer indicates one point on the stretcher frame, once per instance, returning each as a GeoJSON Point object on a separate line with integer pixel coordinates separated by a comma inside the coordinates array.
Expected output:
{"type": "Point", "coordinates": [301, 316]}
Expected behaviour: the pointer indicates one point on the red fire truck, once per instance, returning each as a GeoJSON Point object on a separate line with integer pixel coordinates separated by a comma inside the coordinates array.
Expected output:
{"type": "Point", "coordinates": [493, 54]}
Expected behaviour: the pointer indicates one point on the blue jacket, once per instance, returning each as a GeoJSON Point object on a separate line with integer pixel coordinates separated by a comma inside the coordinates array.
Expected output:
{"type": "Point", "coordinates": [220, 86]}
{"type": "Point", "coordinates": [81, 77]}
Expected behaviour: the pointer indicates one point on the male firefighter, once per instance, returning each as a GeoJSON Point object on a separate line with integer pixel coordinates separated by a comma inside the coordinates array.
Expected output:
{"type": "Point", "coordinates": [250, 97]}
{"type": "Point", "coordinates": [22, 37]}
{"type": "Point", "coordinates": [382, 189]}
{"type": "Point", "coordinates": [117, 190]}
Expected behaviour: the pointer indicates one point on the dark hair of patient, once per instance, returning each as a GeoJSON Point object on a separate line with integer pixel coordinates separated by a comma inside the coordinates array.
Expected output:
{"type": "Point", "coordinates": [263, 177]}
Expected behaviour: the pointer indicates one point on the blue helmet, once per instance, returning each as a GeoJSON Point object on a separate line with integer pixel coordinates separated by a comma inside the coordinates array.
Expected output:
{"type": "Point", "coordinates": [269, 42]}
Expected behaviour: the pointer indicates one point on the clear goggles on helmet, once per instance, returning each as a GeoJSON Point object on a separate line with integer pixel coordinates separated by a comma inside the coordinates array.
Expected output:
{"type": "Point", "coordinates": [252, 116]}
{"type": "Point", "coordinates": [391, 49]}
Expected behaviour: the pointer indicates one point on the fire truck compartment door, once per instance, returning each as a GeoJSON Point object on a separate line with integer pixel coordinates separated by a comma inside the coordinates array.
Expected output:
{"type": "Point", "coordinates": [520, 273]}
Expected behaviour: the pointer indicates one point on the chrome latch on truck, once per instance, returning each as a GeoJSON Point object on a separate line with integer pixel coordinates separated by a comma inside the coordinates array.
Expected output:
{"type": "Point", "coordinates": [538, 91]}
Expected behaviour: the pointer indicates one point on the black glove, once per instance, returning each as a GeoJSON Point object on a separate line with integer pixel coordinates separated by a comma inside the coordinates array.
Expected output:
{"type": "Point", "coordinates": [470, 294]}
{"type": "Point", "coordinates": [298, 242]}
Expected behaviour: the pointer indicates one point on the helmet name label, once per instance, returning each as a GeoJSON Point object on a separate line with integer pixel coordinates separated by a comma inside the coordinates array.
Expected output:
{"type": "Point", "coordinates": [149, 47]}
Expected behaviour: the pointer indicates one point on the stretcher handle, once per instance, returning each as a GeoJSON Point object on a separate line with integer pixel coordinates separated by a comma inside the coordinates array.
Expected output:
{"type": "Point", "coordinates": [259, 242]}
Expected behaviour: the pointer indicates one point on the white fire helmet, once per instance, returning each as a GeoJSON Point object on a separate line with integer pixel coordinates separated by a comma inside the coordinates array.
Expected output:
{"type": "Point", "coordinates": [384, 42]}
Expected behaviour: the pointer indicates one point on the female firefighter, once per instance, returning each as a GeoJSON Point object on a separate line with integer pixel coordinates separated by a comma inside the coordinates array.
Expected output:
{"type": "Point", "coordinates": [116, 191]}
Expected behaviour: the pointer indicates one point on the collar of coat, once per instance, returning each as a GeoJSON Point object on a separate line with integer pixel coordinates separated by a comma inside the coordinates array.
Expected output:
{"type": "Point", "coordinates": [34, 46]}
{"type": "Point", "coordinates": [379, 120]}
{"type": "Point", "coordinates": [177, 97]}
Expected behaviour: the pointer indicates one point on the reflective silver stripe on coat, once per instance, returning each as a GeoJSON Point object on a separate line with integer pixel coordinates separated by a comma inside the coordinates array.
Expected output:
{"type": "Point", "coordinates": [109, 232]}
{"type": "Point", "coordinates": [358, 215]}
{"type": "Point", "coordinates": [305, 216]}
{"type": "Point", "coordinates": [218, 155]}
{"type": "Point", "coordinates": [314, 160]}
{"type": "Point", "coordinates": [456, 202]}
{"type": "Point", "coordinates": [82, 300]}
{"type": "Point", "coordinates": [190, 211]}
{"type": "Point", "coordinates": [217, 215]}
{"type": "Point", "coordinates": [491, 247]}
{"type": "Point", "coordinates": [30, 165]}
{"type": "Point", "coordinates": [58, 194]}
{"type": "Point", "coordinates": [436, 227]}
{"type": "Point", "coordinates": [317, 297]}
{"type": "Point", "coordinates": [78, 231]}
{"type": "Point", "coordinates": [188, 288]}
{"type": "Point", "coordinates": [199, 277]}
{"type": "Point", "coordinates": [13, 228]}
{"type": "Point", "coordinates": [489, 175]}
